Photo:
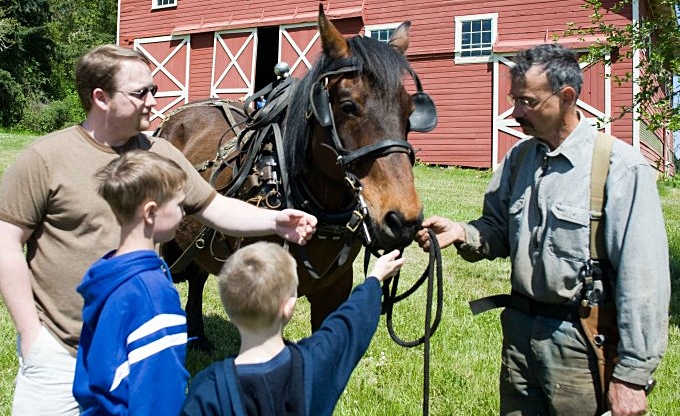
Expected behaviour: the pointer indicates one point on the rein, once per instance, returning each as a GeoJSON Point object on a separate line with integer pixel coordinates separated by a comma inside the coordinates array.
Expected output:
{"type": "Point", "coordinates": [390, 298]}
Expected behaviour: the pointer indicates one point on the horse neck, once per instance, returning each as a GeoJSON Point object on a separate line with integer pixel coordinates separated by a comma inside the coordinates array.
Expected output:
{"type": "Point", "coordinates": [327, 189]}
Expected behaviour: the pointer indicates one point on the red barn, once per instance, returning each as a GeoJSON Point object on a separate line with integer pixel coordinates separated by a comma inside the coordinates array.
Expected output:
{"type": "Point", "coordinates": [461, 50]}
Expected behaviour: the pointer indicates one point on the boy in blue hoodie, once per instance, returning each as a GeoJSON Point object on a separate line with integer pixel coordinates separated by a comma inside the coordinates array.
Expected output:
{"type": "Point", "coordinates": [133, 341]}
{"type": "Point", "coordinates": [273, 377]}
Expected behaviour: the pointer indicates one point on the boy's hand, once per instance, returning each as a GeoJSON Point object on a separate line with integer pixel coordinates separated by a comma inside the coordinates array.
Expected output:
{"type": "Point", "coordinates": [387, 265]}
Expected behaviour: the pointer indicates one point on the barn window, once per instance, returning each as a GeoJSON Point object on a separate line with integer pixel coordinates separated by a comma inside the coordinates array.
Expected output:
{"type": "Point", "coordinates": [381, 32]}
{"type": "Point", "coordinates": [162, 4]}
{"type": "Point", "coordinates": [474, 38]}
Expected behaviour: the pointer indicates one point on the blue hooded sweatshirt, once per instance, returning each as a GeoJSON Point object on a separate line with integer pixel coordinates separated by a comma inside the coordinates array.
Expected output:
{"type": "Point", "coordinates": [133, 341]}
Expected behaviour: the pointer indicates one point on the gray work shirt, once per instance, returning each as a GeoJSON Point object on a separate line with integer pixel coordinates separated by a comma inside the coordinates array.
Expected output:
{"type": "Point", "coordinates": [543, 223]}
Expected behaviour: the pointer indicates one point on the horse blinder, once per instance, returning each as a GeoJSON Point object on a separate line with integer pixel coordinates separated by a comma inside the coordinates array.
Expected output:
{"type": "Point", "coordinates": [424, 115]}
{"type": "Point", "coordinates": [320, 101]}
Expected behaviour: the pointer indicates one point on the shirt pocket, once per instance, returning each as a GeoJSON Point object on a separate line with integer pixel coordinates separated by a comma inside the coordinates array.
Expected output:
{"type": "Point", "coordinates": [516, 217]}
{"type": "Point", "coordinates": [569, 232]}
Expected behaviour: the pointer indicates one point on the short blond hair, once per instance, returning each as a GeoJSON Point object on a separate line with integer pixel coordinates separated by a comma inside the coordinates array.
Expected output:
{"type": "Point", "coordinates": [254, 282]}
{"type": "Point", "coordinates": [138, 176]}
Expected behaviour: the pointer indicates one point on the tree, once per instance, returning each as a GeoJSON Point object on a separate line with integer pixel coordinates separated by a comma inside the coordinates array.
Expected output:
{"type": "Point", "coordinates": [25, 55]}
{"type": "Point", "coordinates": [658, 36]}
{"type": "Point", "coordinates": [76, 26]}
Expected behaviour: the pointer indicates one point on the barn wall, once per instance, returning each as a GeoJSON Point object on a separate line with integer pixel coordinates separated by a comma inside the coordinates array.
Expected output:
{"type": "Point", "coordinates": [462, 92]}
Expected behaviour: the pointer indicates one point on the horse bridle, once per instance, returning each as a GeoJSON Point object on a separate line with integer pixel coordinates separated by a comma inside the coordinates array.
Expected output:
{"type": "Point", "coordinates": [422, 119]}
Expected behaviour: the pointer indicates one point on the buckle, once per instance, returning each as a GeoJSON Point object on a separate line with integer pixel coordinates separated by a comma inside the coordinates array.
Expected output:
{"type": "Point", "coordinates": [355, 220]}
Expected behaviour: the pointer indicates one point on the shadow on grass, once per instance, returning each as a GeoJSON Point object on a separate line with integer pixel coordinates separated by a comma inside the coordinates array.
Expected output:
{"type": "Point", "coordinates": [224, 337]}
{"type": "Point", "coordinates": [675, 289]}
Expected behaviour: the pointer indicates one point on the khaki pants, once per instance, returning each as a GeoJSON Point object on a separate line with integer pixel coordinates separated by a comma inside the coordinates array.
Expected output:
{"type": "Point", "coordinates": [45, 379]}
{"type": "Point", "coordinates": [547, 367]}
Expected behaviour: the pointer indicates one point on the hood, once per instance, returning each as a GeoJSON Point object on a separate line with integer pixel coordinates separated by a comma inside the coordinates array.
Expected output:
{"type": "Point", "coordinates": [108, 273]}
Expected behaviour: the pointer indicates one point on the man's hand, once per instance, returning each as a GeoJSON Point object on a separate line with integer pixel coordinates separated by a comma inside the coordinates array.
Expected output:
{"type": "Point", "coordinates": [295, 226]}
{"type": "Point", "coordinates": [626, 399]}
{"type": "Point", "coordinates": [447, 232]}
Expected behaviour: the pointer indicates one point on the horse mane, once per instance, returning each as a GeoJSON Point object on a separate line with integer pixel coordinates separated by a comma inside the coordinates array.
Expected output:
{"type": "Point", "coordinates": [382, 64]}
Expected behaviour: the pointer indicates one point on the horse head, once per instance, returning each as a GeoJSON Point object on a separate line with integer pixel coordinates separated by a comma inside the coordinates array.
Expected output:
{"type": "Point", "coordinates": [356, 156]}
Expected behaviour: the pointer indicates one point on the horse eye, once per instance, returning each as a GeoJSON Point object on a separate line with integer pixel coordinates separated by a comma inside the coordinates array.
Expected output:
{"type": "Point", "coordinates": [348, 107]}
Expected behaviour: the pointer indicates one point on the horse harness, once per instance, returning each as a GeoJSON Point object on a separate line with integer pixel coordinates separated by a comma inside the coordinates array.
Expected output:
{"type": "Point", "coordinates": [259, 170]}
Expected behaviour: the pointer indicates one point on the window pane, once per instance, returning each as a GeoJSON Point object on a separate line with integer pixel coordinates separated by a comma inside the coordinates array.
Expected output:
{"type": "Point", "coordinates": [476, 37]}
{"type": "Point", "coordinates": [383, 35]}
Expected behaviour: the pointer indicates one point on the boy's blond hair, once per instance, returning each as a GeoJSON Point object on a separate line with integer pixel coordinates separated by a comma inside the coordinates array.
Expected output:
{"type": "Point", "coordinates": [138, 176]}
{"type": "Point", "coordinates": [254, 282]}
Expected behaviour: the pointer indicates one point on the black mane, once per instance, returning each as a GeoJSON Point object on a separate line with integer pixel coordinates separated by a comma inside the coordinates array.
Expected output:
{"type": "Point", "coordinates": [384, 67]}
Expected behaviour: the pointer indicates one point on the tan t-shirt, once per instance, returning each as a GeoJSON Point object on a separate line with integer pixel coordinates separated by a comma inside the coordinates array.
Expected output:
{"type": "Point", "coordinates": [51, 190]}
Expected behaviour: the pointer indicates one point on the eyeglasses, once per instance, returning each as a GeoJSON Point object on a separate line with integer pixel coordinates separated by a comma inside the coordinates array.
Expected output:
{"type": "Point", "coordinates": [529, 103]}
{"type": "Point", "coordinates": [140, 94]}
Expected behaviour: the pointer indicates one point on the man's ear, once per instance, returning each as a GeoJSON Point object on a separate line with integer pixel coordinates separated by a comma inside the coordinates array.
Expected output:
{"type": "Point", "coordinates": [100, 98]}
{"type": "Point", "coordinates": [149, 211]}
{"type": "Point", "coordinates": [569, 97]}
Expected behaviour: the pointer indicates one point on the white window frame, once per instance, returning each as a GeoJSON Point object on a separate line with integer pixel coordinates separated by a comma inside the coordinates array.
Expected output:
{"type": "Point", "coordinates": [155, 6]}
{"type": "Point", "coordinates": [459, 36]}
{"type": "Point", "coordinates": [375, 28]}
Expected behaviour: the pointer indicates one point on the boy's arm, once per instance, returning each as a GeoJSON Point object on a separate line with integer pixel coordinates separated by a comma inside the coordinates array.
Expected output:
{"type": "Point", "coordinates": [342, 340]}
{"type": "Point", "coordinates": [156, 352]}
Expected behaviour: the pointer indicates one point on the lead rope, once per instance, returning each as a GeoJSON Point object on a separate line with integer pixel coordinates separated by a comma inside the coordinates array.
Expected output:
{"type": "Point", "coordinates": [390, 297]}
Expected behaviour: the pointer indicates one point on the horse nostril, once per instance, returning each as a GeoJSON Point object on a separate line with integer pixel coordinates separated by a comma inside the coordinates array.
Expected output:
{"type": "Point", "coordinates": [394, 224]}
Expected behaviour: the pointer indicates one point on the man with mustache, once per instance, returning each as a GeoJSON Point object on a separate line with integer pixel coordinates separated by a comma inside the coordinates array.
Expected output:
{"type": "Point", "coordinates": [537, 212]}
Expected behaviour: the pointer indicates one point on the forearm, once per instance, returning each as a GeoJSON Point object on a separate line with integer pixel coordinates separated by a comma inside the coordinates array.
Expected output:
{"type": "Point", "coordinates": [237, 218]}
{"type": "Point", "coordinates": [637, 246]}
{"type": "Point", "coordinates": [15, 284]}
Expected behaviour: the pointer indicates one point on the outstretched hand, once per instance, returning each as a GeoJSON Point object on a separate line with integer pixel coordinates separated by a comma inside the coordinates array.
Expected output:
{"type": "Point", "coordinates": [295, 226]}
{"type": "Point", "coordinates": [387, 265]}
{"type": "Point", "coordinates": [447, 232]}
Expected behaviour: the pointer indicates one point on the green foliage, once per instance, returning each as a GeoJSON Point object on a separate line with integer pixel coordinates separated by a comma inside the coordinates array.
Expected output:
{"type": "Point", "coordinates": [45, 117]}
{"type": "Point", "coordinates": [10, 94]}
{"type": "Point", "coordinates": [658, 37]}
{"type": "Point", "coordinates": [40, 42]}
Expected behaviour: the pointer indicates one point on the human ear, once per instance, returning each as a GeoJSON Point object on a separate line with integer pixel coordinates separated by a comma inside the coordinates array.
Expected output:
{"type": "Point", "coordinates": [569, 97]}
{"type": "Point", "coordinates": [100, 98]}
{"type": "Point", "coordinates": [149, 211]}
{"type": "Point", "coordinates": [288, 308]}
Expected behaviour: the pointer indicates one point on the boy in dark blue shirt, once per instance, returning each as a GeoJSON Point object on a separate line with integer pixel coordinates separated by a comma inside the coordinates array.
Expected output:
{"type": "Point", "coordinates": [270, 376]}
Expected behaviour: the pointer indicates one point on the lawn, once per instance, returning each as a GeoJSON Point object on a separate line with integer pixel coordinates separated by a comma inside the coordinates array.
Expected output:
{"type": "Point", "coordinates": [465, 350]}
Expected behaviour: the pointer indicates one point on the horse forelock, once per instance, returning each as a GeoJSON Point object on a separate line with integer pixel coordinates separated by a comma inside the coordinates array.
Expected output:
{"type": "Point", "coordinates": [384, 67]}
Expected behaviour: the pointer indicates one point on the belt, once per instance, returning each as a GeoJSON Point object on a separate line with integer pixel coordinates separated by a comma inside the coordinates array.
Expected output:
{"type": "Point", "coordinates": [527, 305]}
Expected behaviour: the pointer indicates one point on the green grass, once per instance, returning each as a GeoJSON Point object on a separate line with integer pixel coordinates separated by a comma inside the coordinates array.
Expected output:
{"type": "Point", "coordinates": [465, 351]}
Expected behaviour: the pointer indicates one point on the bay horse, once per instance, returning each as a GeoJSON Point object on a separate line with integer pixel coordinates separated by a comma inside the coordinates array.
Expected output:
{"type": "Point", "coordinates": [341, 155]}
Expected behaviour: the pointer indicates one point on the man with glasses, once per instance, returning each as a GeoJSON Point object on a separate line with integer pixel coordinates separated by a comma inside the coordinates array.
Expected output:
{"type": "Point", "coordinates": [49, 203]}
{"type": "Point", "coordinates": [537, 212]}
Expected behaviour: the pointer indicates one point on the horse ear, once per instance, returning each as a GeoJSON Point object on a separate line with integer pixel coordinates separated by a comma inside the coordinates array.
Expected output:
{"type": "Point", "coordinates": [335, 46]}
{"type": "Point", "coordinates": [399, 39]}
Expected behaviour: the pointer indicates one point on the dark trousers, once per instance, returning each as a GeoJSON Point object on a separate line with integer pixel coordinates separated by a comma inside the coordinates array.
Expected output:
{"type": "Point", "coordinates": [547, 367]}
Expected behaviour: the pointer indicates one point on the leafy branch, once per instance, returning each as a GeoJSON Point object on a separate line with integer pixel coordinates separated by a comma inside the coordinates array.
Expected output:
{"type": "Point", "coordinates": [657, 37]}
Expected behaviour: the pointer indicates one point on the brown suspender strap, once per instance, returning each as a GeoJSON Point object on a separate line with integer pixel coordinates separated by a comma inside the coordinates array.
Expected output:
{"type": "Point", "coordinates": [598, 179]}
